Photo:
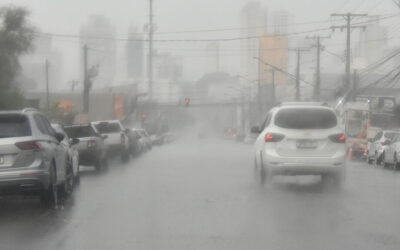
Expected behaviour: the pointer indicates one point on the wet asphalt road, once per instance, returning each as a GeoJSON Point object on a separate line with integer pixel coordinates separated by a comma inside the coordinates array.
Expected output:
{"type": "Point", "coordinates": [201, 195]}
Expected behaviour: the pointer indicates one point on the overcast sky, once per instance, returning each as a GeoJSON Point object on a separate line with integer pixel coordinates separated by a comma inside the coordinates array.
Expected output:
{"type": "Point", "coordinates": [66, 16]}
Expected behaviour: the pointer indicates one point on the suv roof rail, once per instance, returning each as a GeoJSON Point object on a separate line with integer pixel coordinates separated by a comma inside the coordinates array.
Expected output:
{"type": "Point", "coordinates": [29, 110]}
{"type": "Point", "coordinates": [303, 103]}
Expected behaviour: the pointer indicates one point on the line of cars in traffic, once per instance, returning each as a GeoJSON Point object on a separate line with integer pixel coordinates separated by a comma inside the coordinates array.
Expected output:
{"type": "Point", "coordinates": [384, 149]}
{"type": "Point", "coordinates": [38, 157]}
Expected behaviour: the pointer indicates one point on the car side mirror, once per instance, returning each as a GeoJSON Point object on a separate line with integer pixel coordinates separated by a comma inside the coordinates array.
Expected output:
{"type": "Point", "coordinates": [74, 141]}
{"type": "Point", "coordinates": [255, 130]}
{"type": "Point", "coordinates": [59, 136]}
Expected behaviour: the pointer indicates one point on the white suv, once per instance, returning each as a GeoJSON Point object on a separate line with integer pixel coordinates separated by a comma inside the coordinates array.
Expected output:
{"type": "Point", "coordinates": [300, 139]}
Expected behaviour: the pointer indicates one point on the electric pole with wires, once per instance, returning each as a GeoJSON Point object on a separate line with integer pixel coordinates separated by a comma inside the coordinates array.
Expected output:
{"type": "Point", "coordinates": [298, 51]}
{"type": "Point", "coordinates": [319, 47]}
{"type": "Point", "coordinates": [348, 18]}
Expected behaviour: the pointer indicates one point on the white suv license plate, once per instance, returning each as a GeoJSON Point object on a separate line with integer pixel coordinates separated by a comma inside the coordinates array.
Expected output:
{"type": "Point", "coordinates": [306, 144]}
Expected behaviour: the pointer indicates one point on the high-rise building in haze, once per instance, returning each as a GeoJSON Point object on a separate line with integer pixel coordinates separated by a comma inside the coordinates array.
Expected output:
{"type": "Point", "coordinates": [373, 41]}
{"type": "Point", "coordinates": [253, 23]}
{"type": "Point", "coordinates": [135, 55]}
{"type": "Point", "coordinates": [280, 22]}
{"type": "Point", "coordinates": [212, 57]}
{"type": "Point", "coordinates": [101, 52]}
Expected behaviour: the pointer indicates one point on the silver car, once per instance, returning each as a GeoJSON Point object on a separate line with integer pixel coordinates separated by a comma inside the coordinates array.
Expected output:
{"type": "Point", "coordinates": [377, 145]}
{"type": "Point", "coordinates": [32, 160]}
{"type": "Point", "coordinates": [300, 139]}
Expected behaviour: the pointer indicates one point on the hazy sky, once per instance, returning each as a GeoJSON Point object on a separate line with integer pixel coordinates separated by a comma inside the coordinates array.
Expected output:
{"type": "Point", "coordinates": [66, 16]}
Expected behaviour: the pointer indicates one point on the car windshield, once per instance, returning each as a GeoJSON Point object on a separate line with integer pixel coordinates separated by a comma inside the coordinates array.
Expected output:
{"type": "Point", "coordinates": [79, 131]}
{"type": "Point", "coordinates": [108, 127]}
{"type": "Point", "coordinates": [200, 124]}
{"type": "Point", "coordinates": [390, 135]}
{"type": "Point", "coordinates": [14, 126]}
{"type": "Point", "coordinates": [305, 118]}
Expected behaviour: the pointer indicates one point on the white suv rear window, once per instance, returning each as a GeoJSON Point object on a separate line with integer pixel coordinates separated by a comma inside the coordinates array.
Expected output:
{"type": "Point", "coordinates": [14, 125]}
{"type": "Point", "coordinates": [305, 118]}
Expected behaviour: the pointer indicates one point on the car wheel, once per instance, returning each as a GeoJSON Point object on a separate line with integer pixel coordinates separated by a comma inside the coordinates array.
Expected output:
{"type": "Point", "coordinates": [77, 180]}
{"type": "Point", "coordinates": [259, 173]}
{"type": "Point", "coordinates": [376, 160]}
{"type": "Point", "coordinates": [49, 196]}
{"type": "Point", "coordinates": [396, 163]}
{"type": "Point", "coordinates": [68, 186]}
{"type": "Point", "coordinates": [385, 163]}
{"type": "Point", "coordinates": [369, 161]}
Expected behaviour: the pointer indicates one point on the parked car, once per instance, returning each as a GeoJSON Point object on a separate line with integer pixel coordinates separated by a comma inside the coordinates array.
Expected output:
{"type": "Point", "coordinates": [117, 141]}
{"type": "Point", "coordinates": [377, 145]}
{"type": "Point", "coordinates": [145, 139]}
{"type": "Point", "coordinates": [92, 151]}
{"type": "Point", "coordinates": [32, 158]}
{"type": "Point", "coordinates": [136, 144]}
{"type": "Point", "coordinates": [391, 153]}
{"type": "Point", "coordinates": [300, 139]}
{"type": "Point", "coordinates": [72, 153]}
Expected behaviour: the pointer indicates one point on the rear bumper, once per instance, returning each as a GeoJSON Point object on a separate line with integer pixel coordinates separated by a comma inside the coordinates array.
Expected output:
{"type": "Point", "coordinates": [89, 157]}
{"type": "Point", "coordinates": [23, 181]}
{"type": "Point", "coordinates": [279, 165]}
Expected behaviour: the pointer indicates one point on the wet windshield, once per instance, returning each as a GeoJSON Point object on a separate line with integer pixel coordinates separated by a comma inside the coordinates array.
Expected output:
{"type": "Point", "coordinates": [200, 124]}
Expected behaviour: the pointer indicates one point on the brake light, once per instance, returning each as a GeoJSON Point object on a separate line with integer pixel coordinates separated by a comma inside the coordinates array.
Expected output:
{"type": "Point", "coordinates": [29, 145]}
{"type": "Point", "coordinates": [273, 137]}
{"type": "Point", "coordinates": [338, 138]}
{"type": "Point", "coordinates": [383, 143]}
{"type": "Point", "coordinates": [91, 144]}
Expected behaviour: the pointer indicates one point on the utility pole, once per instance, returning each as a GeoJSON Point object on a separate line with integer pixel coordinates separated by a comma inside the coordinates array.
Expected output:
{"type": "Point", "coordinates": [150, 63]}
{"type": "Point", "coordinates": [273, 92]}
{"type": "Point", "coordinates": [298, 97]}
{"type": "Point", "coordinates": [85, 81]}
{"type": "Point", "coordinates": [355, 84]}
{"type": "Point", "coordinates": [348, 17]}
{"type": "Point", "coordinates": [317, 88]}
{"type": "Point", "coordinates": [46, 65]}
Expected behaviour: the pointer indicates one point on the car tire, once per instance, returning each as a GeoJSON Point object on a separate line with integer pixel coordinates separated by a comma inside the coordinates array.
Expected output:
{"type": "Point", "coordinates": [377, 160]}
{"type": "Point", "coordinates": [77, 180]}
{"type": "Point", "coordinates": [124, 156]}
{"type": "Point", "coordinates": [396, 164]}
{"type": "Point", "coordinates": [369, 161]}
{"type": "Point", "coordinates": [67, 188]}
{"type": "Point", "coordinates": [49, 196]}
{"type": "Point", "coordinates": [385, 164]}
{"type": "Point", "coordinates": [260, 174]}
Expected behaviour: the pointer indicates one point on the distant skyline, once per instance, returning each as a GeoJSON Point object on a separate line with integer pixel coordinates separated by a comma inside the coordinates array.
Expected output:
{"type": "Point", "coordinates": [67, 17]}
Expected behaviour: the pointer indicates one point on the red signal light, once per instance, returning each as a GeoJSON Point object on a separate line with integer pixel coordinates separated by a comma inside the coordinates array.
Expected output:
{"type": "Point", "coordinates": [338, 138]}
{"type": "Point", "coordinates": [143, 116]}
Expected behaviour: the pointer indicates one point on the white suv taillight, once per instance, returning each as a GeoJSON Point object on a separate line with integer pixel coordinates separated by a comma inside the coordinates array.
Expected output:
{"type": "Point", "coordinates": [273, 137]}
{"type": "Point", "coordinates": [29, 145]}
{"type": "Point", "coordinates": [91, 144]}
{"type": "Point", "coordinates": [338, 138]}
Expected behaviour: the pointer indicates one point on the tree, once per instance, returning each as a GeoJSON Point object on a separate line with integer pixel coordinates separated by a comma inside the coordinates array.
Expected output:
{"type": "Point", "coordinates": [16, 36]}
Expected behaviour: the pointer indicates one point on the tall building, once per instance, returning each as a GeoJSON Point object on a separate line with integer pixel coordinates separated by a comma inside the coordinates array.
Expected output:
{"type": "Point", "coordinates": [135, 55]}
{"type": "Point", "coordinates": [373, 41]}
{"type": "Point", "coordinates": [102, 52]}
{"type": "Point", "coordinates": [273, 50]}
{"type": "Point", "coordinates": [33, 76]}
{"type": "Point", "coordinates": [281, 21]}
{"type": "Point", "coordinates": [253, 23]}
{"type": "Point", "coordinates": [212, 57]}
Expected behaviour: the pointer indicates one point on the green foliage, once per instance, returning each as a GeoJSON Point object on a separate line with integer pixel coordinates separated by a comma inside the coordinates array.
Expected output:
{"type": "Point", "coordinates": [16, 37]}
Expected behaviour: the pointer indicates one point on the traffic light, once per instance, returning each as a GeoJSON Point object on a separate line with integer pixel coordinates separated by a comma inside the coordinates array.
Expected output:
{"type": "Point", "coordinates": [143, 116]}
{"type": "Point", "coordinates": [187, 102]}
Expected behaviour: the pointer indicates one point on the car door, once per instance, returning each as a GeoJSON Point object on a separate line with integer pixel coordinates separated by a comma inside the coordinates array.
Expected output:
{"type": "Point", "coordinates": [60, 154]}
{"type": "Point", "coordinates": [377, 143]}
{"type": "Point", "coordinates": [389, 151]}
